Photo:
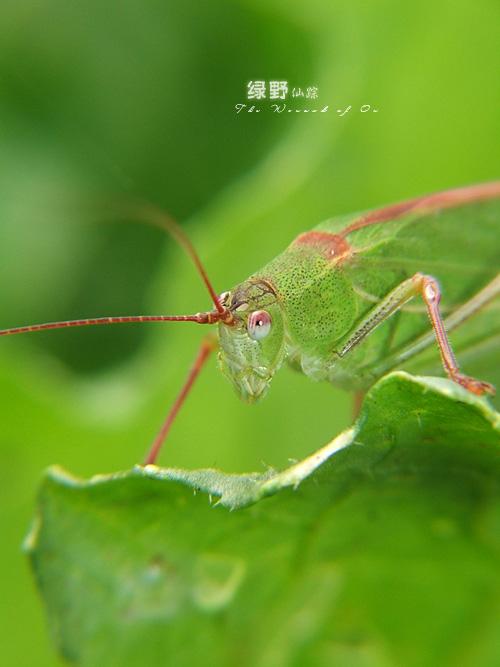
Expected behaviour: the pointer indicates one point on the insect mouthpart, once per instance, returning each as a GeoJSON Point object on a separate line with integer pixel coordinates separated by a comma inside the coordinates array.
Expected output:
{"type": "Point", "coordinates": [241, 361]}
{"type": "Point", "coordinates": [250, 383]}
{"type": "Point", "coordinates": [252, 386]}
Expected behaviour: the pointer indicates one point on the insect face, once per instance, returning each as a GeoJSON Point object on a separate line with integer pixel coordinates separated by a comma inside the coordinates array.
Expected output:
{"type": "Point", "coordinates": [253, 347]}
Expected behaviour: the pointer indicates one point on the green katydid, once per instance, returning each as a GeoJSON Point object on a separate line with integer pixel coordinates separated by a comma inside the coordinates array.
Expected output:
{"type": "Point", "coordinates": [319, 305]}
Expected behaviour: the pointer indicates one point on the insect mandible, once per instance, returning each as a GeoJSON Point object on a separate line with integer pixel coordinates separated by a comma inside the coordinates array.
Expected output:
{"type": "Point", "coordinates": [319, 305]}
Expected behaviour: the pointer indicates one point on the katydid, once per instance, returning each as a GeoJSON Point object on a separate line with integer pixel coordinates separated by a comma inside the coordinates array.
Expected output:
{"type": "Point", "coordinates": [320, 304]}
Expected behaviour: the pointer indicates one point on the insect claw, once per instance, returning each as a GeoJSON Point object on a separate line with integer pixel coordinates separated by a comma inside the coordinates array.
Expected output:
{"type": "Point", "coordinates": [478, 387]}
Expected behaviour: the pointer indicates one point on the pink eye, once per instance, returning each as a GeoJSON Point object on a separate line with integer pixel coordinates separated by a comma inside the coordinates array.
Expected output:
{"type": "Point", "coordinates": [259, 324]}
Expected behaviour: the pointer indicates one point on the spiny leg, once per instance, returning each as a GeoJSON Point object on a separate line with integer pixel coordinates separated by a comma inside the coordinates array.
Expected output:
{"type": "Point", "coordinates": [428, 288]}
{"type": "Point", "coordinates": [460, 315]}
{"type": "Point", "coordinates": [391, 303]}
{"type": "Point", "coordinates": [431, 294]}
{"type": "Point", "coordinates": [208, 345]}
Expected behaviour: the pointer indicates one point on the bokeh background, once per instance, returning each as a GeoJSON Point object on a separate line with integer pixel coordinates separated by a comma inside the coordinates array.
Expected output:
{"type": "Point", "coordinates": [127, 99]}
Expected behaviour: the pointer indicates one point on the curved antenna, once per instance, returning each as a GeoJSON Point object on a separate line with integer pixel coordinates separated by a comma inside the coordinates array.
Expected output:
{"type": "Point", "coordinates": [154, 216]}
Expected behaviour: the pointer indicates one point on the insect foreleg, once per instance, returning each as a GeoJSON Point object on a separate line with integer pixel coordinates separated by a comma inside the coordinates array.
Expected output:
{"type": "Point", "coordinates": [208, 345]}
{"type": "Point", "coordinates": [378, 314]}
{"type": "Point", "coordinates": [428, 288]}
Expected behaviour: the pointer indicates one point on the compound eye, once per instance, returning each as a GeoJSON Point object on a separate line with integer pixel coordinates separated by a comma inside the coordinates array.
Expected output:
{"type": "Point", "coordinates": [259, 324]}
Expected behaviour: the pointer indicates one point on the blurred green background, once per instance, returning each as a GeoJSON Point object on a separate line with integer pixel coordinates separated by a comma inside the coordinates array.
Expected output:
{"type": "Point", "coordinates": [127, 99]}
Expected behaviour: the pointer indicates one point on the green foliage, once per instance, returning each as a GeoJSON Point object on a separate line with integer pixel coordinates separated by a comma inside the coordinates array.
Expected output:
{"type": "Point", "coordinates": [379, 550]}
{"type": "Point", "coordinates": [137, 99]}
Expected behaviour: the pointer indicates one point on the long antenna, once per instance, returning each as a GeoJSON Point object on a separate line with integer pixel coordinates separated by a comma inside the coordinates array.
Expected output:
{"type": "Point", "coordinates": [209, 317]}
{"type": "Point", "coordinates": [154, 216]}
{"type": "Point", "coordinates": [151, 214]}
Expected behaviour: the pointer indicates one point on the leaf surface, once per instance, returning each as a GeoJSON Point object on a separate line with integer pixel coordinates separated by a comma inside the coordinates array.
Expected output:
{"type": "Point", "coordinates": [379, 549]}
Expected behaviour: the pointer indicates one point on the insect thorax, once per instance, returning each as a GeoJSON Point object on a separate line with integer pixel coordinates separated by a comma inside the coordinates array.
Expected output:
{"type": "Point", "coordinates": [317, 300]}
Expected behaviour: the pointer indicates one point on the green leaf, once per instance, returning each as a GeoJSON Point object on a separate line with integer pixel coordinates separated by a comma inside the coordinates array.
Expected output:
{"type": "Point", "coordinates": [380, 549]}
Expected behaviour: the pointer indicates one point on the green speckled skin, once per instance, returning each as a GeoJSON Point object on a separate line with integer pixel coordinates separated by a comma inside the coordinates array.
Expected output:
{"type": "Point", "coordinates": [316, 302]}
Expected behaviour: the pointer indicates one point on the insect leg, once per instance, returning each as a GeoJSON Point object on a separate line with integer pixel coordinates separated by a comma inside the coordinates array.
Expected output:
{"type": "Point", "coordinates": [208, 345]}
{"type": "Point", "coordinates": [456, 318]}
{"type": "Point", "coordinates": [431, 294]}
{"type": "Point", "coordinates": [379, 313]}
{"type": "Point", "coordinates": [357, 402]}
{"type": "Point", "coordinates": [428, 288]}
